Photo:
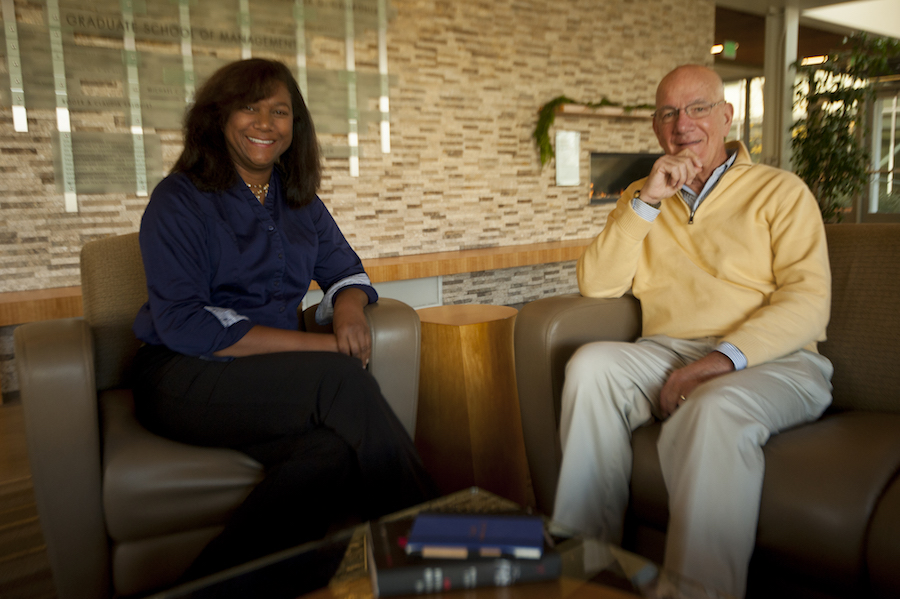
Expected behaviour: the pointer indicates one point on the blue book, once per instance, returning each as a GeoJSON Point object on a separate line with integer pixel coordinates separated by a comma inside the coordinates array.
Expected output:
{"type": "Point", "coordinates": [461, 536]}
{"type": "Point", "coordinates": [393, 571]}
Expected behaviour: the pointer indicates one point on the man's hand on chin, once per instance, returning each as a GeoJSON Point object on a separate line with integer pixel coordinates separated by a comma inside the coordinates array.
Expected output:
{"type": "Point", "coordinates": [683, 381]}
{"type": "Point", "coordinates": [669, 174]}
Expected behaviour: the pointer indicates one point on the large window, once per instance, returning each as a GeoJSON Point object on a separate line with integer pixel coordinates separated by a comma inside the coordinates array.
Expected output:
{"type": "Point", "coordinates": [884, 187]}
{"type": "Point", "coordinates": [746, 95]}
{"type": "Point", "coordinates": [880, 201]}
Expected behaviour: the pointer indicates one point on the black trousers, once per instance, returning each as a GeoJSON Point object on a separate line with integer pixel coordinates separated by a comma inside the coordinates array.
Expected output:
{"type": "Point", "coordinates": [330, 443]}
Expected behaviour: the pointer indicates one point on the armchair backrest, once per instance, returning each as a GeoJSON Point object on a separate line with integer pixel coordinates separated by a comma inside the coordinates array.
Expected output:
{"type": "Point", "coordinates": [863, 338]}
{"type": "Point", "coordinates": [113, 288]}
{"type": "Point", "coordinates": [864, 330]}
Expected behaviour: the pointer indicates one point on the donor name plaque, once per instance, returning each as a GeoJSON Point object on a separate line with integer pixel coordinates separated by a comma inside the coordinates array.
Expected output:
{"type": "Point", "coordinates": [105, 162]}
{"type": "Point", "coordinates": [117, 76]}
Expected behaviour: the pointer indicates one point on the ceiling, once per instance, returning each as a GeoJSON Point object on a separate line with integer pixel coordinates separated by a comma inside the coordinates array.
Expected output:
{"type": "Point", "coordinates": [881, 17]}
{"type": "Point", "coordinates": [844, 16]}
{"type": "Point", "coordinates": [743, 21]}
{"type": "Point", "coordinates": [749, 31]}
{"type": "Point", "coordinates": [762, 6]}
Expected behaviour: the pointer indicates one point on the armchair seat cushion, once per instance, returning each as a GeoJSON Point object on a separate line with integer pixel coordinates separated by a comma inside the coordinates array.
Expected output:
{"type": "Point", "coordinates": [153, 486]}
{"type": "Point", "coordinates": [123, 511]}
{"type": "Point", "coordinates": [883, 551]}
{"type": "Point", "coordinates": [829, 519]}
{"type": "Point", "coordinates": [822, 484]}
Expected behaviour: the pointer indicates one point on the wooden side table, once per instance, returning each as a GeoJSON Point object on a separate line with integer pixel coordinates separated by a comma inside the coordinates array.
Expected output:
{"type": "Point", "coordinates": [468, 427]}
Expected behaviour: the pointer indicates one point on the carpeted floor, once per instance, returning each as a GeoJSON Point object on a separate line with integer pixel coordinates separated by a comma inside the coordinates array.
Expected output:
{"type": "Point", "coordinates": [24, 569]}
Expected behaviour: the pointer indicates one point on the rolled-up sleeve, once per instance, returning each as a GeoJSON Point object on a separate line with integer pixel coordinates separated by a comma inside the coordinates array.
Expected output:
{"type": "Point", "coordinates": [337, 266]}
{"type": "Point", "coordinates": [180, 314]}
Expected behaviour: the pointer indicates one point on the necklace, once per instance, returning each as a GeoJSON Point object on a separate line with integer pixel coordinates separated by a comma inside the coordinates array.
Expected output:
{"type": "Point", "coordinates": [259, 190]}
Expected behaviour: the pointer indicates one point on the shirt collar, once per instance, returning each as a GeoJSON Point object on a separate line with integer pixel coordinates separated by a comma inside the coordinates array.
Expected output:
{"type": "Point", "coordinates": [692, 198]}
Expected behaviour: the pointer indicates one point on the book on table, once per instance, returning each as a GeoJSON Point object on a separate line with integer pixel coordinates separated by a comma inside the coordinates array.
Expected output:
{"type": "Point", "coordinates": [476, 535]}
{"type": "Point", "coordinates": [395, 571]}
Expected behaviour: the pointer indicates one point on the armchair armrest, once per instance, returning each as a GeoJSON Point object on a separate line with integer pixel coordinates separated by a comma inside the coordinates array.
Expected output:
{"type": "Point", "coordinates": [547, 333]}
{"type": "Point", "coordinates": [396, 342]}
{"type": "Point", "coordinates": [55, 362]}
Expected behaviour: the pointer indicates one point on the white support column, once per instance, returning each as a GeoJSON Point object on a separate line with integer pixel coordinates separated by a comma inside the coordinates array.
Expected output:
{"type": "Point", "coordinates": [782, 25]}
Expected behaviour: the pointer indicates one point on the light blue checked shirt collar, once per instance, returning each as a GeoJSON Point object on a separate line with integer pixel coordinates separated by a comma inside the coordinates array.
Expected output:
{"type": "Point", "coordinates": [692, 199]}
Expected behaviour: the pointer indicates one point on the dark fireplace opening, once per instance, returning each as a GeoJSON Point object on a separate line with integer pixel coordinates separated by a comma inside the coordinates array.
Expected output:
{"type": "Point", "coordinates": [612, 172]}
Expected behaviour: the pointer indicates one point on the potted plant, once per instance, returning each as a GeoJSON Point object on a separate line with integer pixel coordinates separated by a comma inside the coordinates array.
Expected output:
{"type": "Point", "coordinates": [829, 140]}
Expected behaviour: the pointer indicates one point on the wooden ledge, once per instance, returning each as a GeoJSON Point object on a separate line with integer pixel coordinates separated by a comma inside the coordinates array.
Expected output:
{"type": "Point", "coordinates": [18, 307]}
{"type": "Point", "coordinates": [604, 111]}
{"type": "Point", "coordinates": [419, 266]}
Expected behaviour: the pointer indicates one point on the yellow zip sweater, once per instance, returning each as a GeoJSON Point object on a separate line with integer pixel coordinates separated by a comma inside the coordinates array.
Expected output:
{"type": "Point", "coordinates": [751, 269]}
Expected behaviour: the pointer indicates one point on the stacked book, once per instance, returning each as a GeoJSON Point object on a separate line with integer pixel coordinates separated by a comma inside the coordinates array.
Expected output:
{"type": "Point", "coordinates": [430, 553]}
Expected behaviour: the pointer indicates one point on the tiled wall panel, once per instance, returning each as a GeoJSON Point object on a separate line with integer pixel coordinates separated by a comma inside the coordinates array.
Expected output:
{"type": "Point", "coordinates": [467, 80]}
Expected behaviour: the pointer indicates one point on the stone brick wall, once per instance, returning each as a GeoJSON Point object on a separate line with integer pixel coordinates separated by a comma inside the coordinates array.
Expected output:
{"type": "Point", "coordinates": [507, 286]}
{"type": "Point", "coordinates": [510, 286]}
{"type": "Point", "coordinates": [467, 80]}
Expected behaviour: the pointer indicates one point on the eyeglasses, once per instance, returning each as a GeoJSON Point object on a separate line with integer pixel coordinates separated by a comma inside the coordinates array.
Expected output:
{"type": "Point", "coordinates": [667, 114]}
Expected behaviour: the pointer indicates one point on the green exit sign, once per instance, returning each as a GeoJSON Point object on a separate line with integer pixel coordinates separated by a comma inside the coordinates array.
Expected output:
{"type": "Point", "coordinates": [729, 50]}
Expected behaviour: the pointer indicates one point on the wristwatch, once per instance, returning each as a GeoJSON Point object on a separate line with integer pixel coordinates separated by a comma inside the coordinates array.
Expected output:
{"type": "Point", "coordinates": [637, 196]}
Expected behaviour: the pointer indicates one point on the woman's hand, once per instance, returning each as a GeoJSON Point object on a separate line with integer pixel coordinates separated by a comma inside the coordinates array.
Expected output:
{"type": "Point", "coordinates": [351, 333]}
{"type": "Point", "coordinates": [351, 329]}
{"type": "Point", "coordinates": [267, 340]}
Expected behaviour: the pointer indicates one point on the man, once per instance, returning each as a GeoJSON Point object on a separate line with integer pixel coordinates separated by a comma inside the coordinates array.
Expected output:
{"type": "Point", "coordinates": [730, 264]}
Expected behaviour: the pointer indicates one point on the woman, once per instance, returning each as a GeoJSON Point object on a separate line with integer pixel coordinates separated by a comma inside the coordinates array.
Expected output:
{"type": "Point", "coordinates": [230, 241]}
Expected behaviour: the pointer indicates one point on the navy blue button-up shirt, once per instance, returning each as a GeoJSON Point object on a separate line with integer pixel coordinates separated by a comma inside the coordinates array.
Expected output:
{"type": "Point", "coordinates": [218, 263]}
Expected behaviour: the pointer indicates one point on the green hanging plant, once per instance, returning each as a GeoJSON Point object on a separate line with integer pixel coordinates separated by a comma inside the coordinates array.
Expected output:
{"type": "Point", "coordinates": [828, 143]}
{"type": "Point", "coordinates": [541, 135]}
{"type": "Point", "coordinates": [547, 115]}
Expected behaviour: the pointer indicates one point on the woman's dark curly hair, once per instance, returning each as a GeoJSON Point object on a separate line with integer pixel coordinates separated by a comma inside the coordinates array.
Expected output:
{"type": "Point", "coordinates": [205, 157]}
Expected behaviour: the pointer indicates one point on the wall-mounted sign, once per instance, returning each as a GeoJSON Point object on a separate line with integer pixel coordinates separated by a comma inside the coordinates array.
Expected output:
{"type": "Point", "coordinates": [568, 163]}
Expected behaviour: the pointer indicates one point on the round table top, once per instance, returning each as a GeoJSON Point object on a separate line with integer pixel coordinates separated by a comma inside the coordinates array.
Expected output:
{"type": "Point", "coordinates": [465, 314]}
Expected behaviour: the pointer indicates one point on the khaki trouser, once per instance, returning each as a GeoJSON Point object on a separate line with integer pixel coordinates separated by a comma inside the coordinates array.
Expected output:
{"type": "Point", "coordinates": [710, 449]}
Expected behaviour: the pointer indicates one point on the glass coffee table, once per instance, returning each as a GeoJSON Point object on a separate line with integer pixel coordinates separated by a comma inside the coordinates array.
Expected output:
{"type": "Point", "coordinates": [335, 567]}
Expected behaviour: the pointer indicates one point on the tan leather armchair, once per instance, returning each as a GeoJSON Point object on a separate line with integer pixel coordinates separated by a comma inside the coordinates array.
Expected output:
{"type": "Point", "coordinates": [830, 514]}
{"type": "Point", "coordinates": [122, 510]}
